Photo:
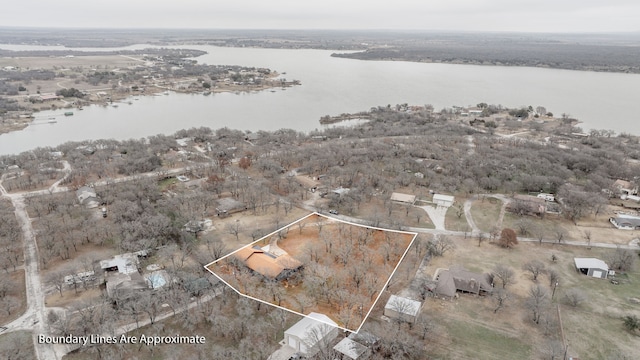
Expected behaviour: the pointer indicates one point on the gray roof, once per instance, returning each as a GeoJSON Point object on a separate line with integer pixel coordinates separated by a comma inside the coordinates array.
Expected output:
{"type": "Point", "coordinates": [590, 263]}
{"type": "Point", "coordinates": [404, 305]}
{"type": "Point", "coordinates": [350, 348]}
{"type": "Point", "coordinates": [310, 323]}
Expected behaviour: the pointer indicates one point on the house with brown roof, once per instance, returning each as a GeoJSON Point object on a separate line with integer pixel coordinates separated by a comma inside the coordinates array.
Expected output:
{"type": "Point", "coordinates": [267, 264]}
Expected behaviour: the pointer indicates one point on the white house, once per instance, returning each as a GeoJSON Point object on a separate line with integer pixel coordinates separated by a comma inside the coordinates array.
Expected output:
{"type": "Point", "coordinates": [310, 334]}
{"type": "Point", "coordinates": [592, 267]}
{"type": "Point", "coordinates": [443, 200]}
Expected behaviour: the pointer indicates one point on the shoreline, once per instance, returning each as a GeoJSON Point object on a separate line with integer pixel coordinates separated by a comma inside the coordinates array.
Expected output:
{"type": "Point", "coordinates": [24, 118]}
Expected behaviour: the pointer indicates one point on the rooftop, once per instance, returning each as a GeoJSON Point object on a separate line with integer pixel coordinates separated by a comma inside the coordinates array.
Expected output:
{"type": "Point", "coordinates": [590, 263]}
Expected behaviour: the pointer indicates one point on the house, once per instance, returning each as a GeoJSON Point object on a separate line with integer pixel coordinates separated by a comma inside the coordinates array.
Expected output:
{"type": "Point", "coordinates": [592, 267]}
{"type": "Point", "coordinates": [87, 197]}
{"type": "Point", "coordinates": [311, 334]}
{"type": "Point", "coordinates": [474, 111]}
{"type": "Point", "coordinates": [443, 200]}
{"type": "Point", "coordinates": [122, 286]}
{"type": "Point", "coordinates": [625, 222]}
{"type": "Point", "coordinates": [268, 264]}
{"type": "Point", "coordinates": [458, 278]}
{"type": "Point", "coordinates": [402, 308]}
{"type": "Point", "coordinates": [625, 187]}
{"type": "Point", "coordinates": [227, 206]}
{"type": "Point", "coordinates": [123, 263]}
{"type": "Point", "coordinates": [403, 198]}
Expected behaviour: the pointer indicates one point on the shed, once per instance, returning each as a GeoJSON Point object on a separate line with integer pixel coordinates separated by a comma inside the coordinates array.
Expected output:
{"type": "Point", "coordinates": [402, 308]}
{"type": "Point", "coordinates": [592, 267]}
{"type": "Point", "coordinates": [310, 334]}
{"type": "Point", "coordinates": [403, 198]}
{"type": "Point", "coordinates": [443, 200]}
{"type": "Point", "coordinates": [352, 350]}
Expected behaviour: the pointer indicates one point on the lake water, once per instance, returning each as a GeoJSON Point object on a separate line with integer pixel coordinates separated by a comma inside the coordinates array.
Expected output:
{"type": "Point", "coordinates": [331, 86]}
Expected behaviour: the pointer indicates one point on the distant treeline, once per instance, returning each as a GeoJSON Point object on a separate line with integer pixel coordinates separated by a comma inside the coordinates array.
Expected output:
{"type": "Point", "coordinates": [177, 53]}
{"type": "Point", "coordinates": [591, 57]}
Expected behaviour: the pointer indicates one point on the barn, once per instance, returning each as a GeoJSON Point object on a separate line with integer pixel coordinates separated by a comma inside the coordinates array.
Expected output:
{"type": "Point", "coordinates": [592, 267]}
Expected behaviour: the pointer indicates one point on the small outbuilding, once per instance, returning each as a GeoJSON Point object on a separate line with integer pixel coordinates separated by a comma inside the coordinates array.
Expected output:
{"type": "Point", "coordinates": [592, 267]}
{"type": "Point", "coordinates": [402, 308]}
{"type": "Point", "coordinates": [310, 334]}
{"type": "Point", "coordinates": [351, 350]}
{"type": "Point", "coordinates": [403, 198]}
{"type": "Point", "coordinates": [443, 200]}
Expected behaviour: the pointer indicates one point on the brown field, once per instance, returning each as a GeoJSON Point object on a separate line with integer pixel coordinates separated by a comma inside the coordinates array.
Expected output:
{"type": "Point", "coordinates": [337, 256]}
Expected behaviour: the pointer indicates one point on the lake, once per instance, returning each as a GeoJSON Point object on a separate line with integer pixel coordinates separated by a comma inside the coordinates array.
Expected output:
{"type": "Point", "coordinates": [331, 86]}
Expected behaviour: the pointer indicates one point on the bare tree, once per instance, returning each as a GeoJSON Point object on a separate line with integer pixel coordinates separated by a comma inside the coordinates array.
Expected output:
{"type": "Point", "coordinates": [481, 238]}
{"type": "Point", "coordinates": [554, 277]}
{"type": "Point", "coordinates": [622, 260]}
{"type": "Point", "coordinates": [575, 297]}
{"type": "Point", "coordinates": [535, 267]}
{"type": "Point", "coordinates": [505, 274]}
{"type": "Point", "coordinates": [540, 231]}
{"type": "Point", "coordinates": [587, 236]}
{"type": "Point", "coordinates": [440, 245]}
{"type": "Point", "coordinates": [234, 228]}
{"type": "Point", "coordinates": [537, 301]}
{"type": "Point", "coordinates": [500, 297]}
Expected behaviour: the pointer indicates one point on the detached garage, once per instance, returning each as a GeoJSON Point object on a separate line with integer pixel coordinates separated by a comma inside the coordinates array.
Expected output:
{"type": "Point", "coordinates": [592, 267]}
{"type": "Point", "coordinates": [309, 335]}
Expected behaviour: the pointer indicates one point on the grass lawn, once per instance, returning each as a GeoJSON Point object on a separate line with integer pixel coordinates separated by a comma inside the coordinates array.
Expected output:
{"type": "Point", "coordinates": [594, 329]}
{"type": "Point", "coordinates": [486, 213]}
{"type": "Point", "coordinates": [472, 341]}
{"type": "Point", "coordinates": [455, 223]}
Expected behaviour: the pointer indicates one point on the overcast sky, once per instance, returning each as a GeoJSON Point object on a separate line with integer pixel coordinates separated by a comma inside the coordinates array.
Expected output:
{"type": "Point", "coordinates": [466, 15]}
